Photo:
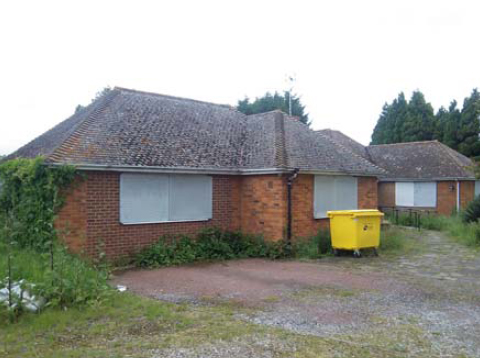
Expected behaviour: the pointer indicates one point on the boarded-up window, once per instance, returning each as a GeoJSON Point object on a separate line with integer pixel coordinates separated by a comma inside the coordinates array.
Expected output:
{"type": "Point", "coordinates": [416, 194]}
{"type": "Point", "coordinates": [334, 193]}
{"type": "Point", "coordinates": [155, 198]}
{"type": "Point", "coordinates": [477, 187]}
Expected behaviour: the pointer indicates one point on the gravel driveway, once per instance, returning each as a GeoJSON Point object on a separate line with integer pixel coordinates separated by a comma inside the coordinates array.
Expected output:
{"type": "Point", "coordinates": [425, 304]}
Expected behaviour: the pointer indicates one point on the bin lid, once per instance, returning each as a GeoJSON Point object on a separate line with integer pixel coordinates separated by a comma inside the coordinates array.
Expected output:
{"type": "Point", "coordinates": [354, 213]}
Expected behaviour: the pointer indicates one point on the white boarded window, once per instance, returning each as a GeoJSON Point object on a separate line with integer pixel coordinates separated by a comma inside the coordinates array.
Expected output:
{"type": "Point", "coordinates": [334, 193]}
{"type": "Point", "coordinates": [416, 194]}
{"type": "Point", "coordinates": [155, 198]}
{"type": "Point", "coordinates": [425, 194]}
{"type": "Point", "coordinates": [404, 193]}
{"type": "Point", "coordinates": [477, 187]}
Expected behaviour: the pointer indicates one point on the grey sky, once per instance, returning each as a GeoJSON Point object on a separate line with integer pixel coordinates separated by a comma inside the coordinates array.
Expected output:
{"type": "Point", "coordinates": [349, 56]}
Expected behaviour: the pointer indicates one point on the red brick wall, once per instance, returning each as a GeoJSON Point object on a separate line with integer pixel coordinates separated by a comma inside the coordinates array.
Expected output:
{"type": "Point", "coordinates": [367, 193]}
{"type": "Point", "coordinates": [386, 194]}
{"type": "Point", "coordinates": [253, 204]}
{"type": "Point", "coordinates": [446, 198]}
{"type": "Point", "coordinates": [71, 222]}
{"type": "Point", "coordinates": [264, 205]}
{"type": "Point", "coordinates": [304, 224]}
{"type": "Point", "coordinates": [467, 192]}
{"type": "Point", "coordinates": [93, 211]}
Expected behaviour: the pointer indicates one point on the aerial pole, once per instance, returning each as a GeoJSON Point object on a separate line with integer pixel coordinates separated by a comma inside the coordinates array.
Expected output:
{"type": "Point", "coordinates": [290, 83]}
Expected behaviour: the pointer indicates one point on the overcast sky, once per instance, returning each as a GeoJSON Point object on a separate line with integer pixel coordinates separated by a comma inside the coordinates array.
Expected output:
{"type": "Point", "coordinates": [349, 57]}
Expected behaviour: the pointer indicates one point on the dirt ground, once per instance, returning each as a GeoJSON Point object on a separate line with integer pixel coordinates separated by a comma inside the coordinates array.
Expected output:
{"type": "Point", "coordinates": [423, 304]}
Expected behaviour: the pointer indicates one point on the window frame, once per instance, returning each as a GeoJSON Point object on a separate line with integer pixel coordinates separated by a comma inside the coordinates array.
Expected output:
{"type": "Point", "coordinates": [170, 178]}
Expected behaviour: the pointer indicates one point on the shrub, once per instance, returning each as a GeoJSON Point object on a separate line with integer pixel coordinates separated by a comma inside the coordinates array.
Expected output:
{"type": "Point", "coordinates": [209, 244]}
{"type": "Point", "coordinates": [472, 212]}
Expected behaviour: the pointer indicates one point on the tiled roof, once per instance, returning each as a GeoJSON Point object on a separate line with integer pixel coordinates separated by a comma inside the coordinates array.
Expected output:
{"type": "Point", "coordinates": [140, 129]}
{"type": "Point", "coordinates": [421, 160]}
{"type": "Point", "coordinates": [346, 141]}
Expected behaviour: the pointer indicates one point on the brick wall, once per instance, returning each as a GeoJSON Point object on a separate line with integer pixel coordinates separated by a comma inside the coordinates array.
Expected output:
{"type": "Point", "coordinates": [386, 194]}
{"type": "Point", "coordinates": [264, 205]}
{"type": "Point", "coordinates": [446, 197]}
{"type": "Point", "coordinates": [92, 210]}
{"type": "Point", "coordinates": [467, 192]}
{"type": "Point", "coordinates": [304, 224]}
{"type": "Point", "coordinates": [253, 204]}
{"type": "Point", "coordinates": [367, 193]}
{"type": "Point", "coordinates": [71, 222]}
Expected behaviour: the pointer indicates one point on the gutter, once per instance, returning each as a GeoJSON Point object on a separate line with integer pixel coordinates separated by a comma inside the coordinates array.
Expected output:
{"type": "Point", "coordinates": [213, 171]}
{"type": "Point", "coordinates": [290, 180]}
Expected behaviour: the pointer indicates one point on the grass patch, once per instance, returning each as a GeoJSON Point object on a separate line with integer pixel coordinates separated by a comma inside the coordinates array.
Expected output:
{"type": "Point", "coordinates": [395, 240]}
{"type": "Point", "coordinates": [467, 234]}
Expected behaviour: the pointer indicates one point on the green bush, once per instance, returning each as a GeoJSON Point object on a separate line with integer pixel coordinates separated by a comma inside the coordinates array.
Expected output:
{"type": "Point", "coordinates": [472, 212]}
{"type": "Point", "coordinates": [209, 244]}
{"type": "Point", "coordinates": [315, 246]}
{"type": "Point", "coordinates": [215, 244]}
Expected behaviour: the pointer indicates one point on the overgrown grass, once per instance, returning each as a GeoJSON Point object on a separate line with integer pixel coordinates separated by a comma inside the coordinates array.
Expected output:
{"type": "Point", "coordinates": [313, 247]}
{"type": "Point", "coordinates": [395, 240]}
{"type": "Point", "coordinates": [465, 233]}
{"type": "Point", "coordinates": [71, 282]}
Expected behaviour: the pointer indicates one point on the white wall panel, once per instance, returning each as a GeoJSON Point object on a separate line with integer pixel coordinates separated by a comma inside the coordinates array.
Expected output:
{"type": "Point", "coordinates": [156, 198]}
{"type": "Point", "coordinates": [143, 198]}
{"type": "Point", "coordinates": [425, 194]}
{"type": "Point", "coordinates": [190, 197]}
{"type": "Point", "coordinates": [334, 193]}
{"type": "Point", "coordinates": [404, 193]}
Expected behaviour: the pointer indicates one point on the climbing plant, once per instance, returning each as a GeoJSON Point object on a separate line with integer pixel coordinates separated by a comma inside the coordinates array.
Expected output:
{"type": "Point", "coordinates": [30, 196]}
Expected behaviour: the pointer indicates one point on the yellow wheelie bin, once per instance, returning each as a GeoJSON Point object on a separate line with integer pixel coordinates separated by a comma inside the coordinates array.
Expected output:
{"type": "Point", "coordinates": [355, 230]}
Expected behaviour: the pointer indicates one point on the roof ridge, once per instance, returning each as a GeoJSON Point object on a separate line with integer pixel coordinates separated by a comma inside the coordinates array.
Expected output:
{"type": "Point", "coordinates": [279, 140]}
{"type": "Point", "coordinates": [351, 152]}
{"type": "Point", "coordinates": [99, 105]}
{"type": "Point", "coordinates": [123, 89]}
{"type": "Point", "coordinates": [403, 143]}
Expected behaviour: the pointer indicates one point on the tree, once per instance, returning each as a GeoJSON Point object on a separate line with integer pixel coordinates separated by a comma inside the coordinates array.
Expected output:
{"type": "Point", "coordinates": [420, 122]}
{"type": "Point", "coordinates": [270, 102]}
{"type": "Point", "coordinates": [469, 128]}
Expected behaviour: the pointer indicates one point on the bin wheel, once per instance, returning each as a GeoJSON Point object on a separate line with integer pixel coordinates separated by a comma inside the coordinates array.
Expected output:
{"type": "Point", "coordinates": [357, 254]}
{"type": "Point", "coordinates": [375, 251]}
{"type": "Point", "coordinates": [336, 253]}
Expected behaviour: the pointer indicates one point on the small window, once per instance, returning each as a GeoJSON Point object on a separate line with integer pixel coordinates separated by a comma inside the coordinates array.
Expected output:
{"type": "Point", "coordinates": [156, 198]}
{"type": "Point", "coordinates": [416, 194]}
{"type": "Point", "coordinates": [334, 193]}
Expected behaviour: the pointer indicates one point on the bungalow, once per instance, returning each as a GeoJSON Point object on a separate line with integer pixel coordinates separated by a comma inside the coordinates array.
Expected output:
{"type": "Point", "coordinates": [427, 175]}
{"type": "Point", "coordinates": [156, 165]}
{"type": "Point", "coordinates": [420, 175]}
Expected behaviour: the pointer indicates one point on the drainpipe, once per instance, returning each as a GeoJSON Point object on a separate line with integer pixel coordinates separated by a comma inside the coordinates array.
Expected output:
{"type": "Point", "coordinates": [290, 180]}
{"type": "Point", "coordinates": [458, 196]}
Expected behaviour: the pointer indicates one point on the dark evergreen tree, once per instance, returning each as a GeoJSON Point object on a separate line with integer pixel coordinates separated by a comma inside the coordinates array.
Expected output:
{"type": "Point", "coordinates": [469, 128]}
{"type": "Point", "coordinates": [271, 102]}
{"type": "Point", "coordinates": [420, 122]}
{"type": "Point", "coordinates": [378, 136]}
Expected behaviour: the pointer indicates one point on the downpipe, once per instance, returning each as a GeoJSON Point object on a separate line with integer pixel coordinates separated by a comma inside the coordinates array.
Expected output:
{"type": "Point", "coordinates": [290, 180]}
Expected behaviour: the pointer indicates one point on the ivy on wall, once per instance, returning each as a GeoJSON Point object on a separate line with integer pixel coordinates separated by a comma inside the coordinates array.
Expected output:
{"type": "Point", "coordinates": [30, 196]}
